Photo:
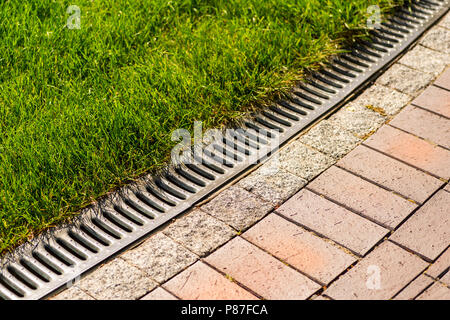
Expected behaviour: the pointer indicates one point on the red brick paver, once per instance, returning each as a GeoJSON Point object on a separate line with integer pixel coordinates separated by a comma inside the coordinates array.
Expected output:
{"type": "Point", "coordinates": [383, 273]}
{"type": "Point", "coordinates": [435, 99]}
{"type": "Point", "coordinates": [444, 80]}
{"type": "Point", "coordinates": [159, 294]}
{"type": "Point", "coordinates": [382, 206]}
{"type": "Point", "coordinates": [261, 272]}
{"type": "Point", "coordinates": [333, 221]}
{"type": "Point", "coordinates": [299, 248]}
{"type": "Point", "coordinates": [428, 230]}
{"type": "Point", "coordinates": [412, 150]}
{"type": "Point", "coordinates": [440, 266]}
{"type": "Point", "coordinates": [437, 291]}
{"type": "Point", "coordinates": [414, 288]}
{"type": "Point", "coordinates": [200, 282]}
{"type": "Point", "coordinates": [390, 173]}
{"type": "Point", "coordinates": [424, 124]}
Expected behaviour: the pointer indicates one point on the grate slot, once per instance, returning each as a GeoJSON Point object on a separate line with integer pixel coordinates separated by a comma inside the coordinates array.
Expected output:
{"type": "Point", "coordinates": [204, 172]}
{"type": "Point", "coordinates": [11, 287]}
{"type": "Point", "coordinates": [284, 113]}
{"type": "Point", "coordinates": [156, 192]}
{"type": "Point", "coordinates": [327, 81]}
{"type": "Point", "coordinates": [236, 145]}
{"type": "Point", "coordinates": [106, 228]}
{"type": "Point", "coordinates": [246, 138]}
{"type": "Point", "coordinates": [344, 72]}
{"type": "Point", "coordinates": [334, 76]}
{"type": "Point", "coordinates": [276, 118]}
{"type": "Point", "coordinates": [94, 234]}
{"type": "Point", "coordinates": [170, 190]}
{"type": "Point", "coordinates": [223, 161]}
{"type": "Point", "coordinates": [72, 249]}
{"type": "Point", "coordinates": [364, 50]}
{"type": "Point", "coordinates": [49, 263]}
{"type": "Point", "coordinates": [137, 209]}
{"type": "Point", "coordinates": [312, 91]}
{"type": "Point", "coordinates": [133, 217]}
{"type": "Point", "coordinates": [151, 201]}
{"type": "Point", "coordinates": [33, 268]}
{"type": "Point", "coordinates": [259, 130]}
{"type": "Point", "coordinates": [58, 254]}
{"type": "Point", "coordinates": [83, 241]}
{"type": "Point", "coordinates": [306, 97]}
{"type": "Point", "coordinates": [290, 107]}
{"type": "Point", "coordinates": [191, 176]}
{"type": "Point", "coordinates": [19, 275]}
{"type": "Point", "coordinates": [178, 181]}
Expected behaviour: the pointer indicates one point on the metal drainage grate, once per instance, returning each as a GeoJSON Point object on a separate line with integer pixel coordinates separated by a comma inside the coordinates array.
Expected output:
{"type": "Point", "coordinates": [134, 212]}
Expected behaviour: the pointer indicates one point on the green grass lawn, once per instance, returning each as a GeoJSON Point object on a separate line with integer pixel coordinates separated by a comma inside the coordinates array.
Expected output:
{"type": "Point", "coordinates": [84, 111]}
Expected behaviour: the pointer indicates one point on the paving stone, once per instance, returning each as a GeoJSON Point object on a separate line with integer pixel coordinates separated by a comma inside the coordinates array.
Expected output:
{"type": "Point", "coordinates": [358, 119]}
{"type": "Point", "coordinates": [160, 257]}
{"type": "Point", "coordinates": [390, 173]}
{"type": "Point", "coordinates": [445, 279]}
{"type": "Point", "coordinates": [447, 187]}
{"type": "Point", "coordinates": [379, 276]}
{"type": "Point", "coordinates": [117, 280]}
{"type": "Point", "coordinates": [200, 282]}
{"type": "Point", "coordinates": [159, 294]}
{"type": "Point", "coordinates": [382, 99]}
{"type": "Point", "coordinates": [445, 22]}
{"type": "Point", "coordinates": [73, 293]}
{"type": "Point", "coordinates": [425, 60]}
{"type": "Point", "coordinates": [424, 124]}
{"type": "Point", "coordinates": [438, 39]}
{"type": "Point", "coordinates": [436, 100]}
{"type": "Point", "coordinates": [321, 298]}
{"type": "Point", "coordinates": [332, 221]}
{"type": "Point", "coordinates": [412, 150]}
{"type": "Point", "coordinates": [331, 139]}
{"type": "Point", "coordinates": [414, 288]}
{"type": "Point", "coordinates": [272, 184]}
{"type": "Point", "coordinates": [437, 291]}
{"type": "Point", "coordinates": [369, 200]}
{"type": "Point", "coordinates": [405, 79]}
{"type": "Point", "coordinates": [237, 207]}
{"type": "Point", "coordinates": [299, 248]}
{"type": "Point", "coordinates": [303, 161]}
{"type": "Point", "coordinates": [260, 272]}
{"type": "Point", "coordinates": [199, 232]}
{"type": "Point", "coordinates": [427, 232]}
{"type": "Point", "coordinates": [440, 265]}
{"type": "Point", "coordinates": [443, 81]}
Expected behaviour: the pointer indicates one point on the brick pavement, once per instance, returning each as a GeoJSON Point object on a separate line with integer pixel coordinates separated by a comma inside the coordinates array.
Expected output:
{"type": "Point", "coordinates": [358, 209]}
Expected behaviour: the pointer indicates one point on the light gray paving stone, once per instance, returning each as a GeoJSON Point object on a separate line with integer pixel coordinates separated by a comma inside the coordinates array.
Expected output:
{"type": "Point", "coordinates": [414, 288]}
{"type": "Point", "coordinates": [117, 280]}
{"type": "Point", "coordinates": [426, 60]}
{"type": "Point", "coordinates": [331, 139]}
{"type": "Point", "coordinates": [159, 294]}
{"type": "Point", "coordinates": [405, 79]}
{"type": "Point", "coordinates": [427, 232]}
{"type": "Point", "coordinates": [383, 100]}
{"type": "Point", "coordinates": [271, 183]}
{"type": "Point", "coordinates": [303, 161]}
{"type": "Point", "coordinates": [73, 293]}
{"type": "Point", "coordinates": [237, 207]}
{"type": "Point", "coordinates": [160, 257]}
{"type": "Point", "coordinates": [379, 276]}
{"type": "Point", "coordinates": [199, 232]}
{"type": "Point", "coordinates": [438, 39]}
{"type": "Point", "coordinates": [358, 119]}
{"type": "Point", "coordinates": [437, 291]}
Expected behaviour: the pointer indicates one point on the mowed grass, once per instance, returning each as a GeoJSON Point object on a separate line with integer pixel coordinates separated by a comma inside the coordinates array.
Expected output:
{"type": "Point", "coordinates": [84, 111]}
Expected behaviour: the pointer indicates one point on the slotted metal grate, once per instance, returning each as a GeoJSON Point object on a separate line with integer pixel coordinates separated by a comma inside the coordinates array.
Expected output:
{"type": "Point", "coordinates": [49, 264]}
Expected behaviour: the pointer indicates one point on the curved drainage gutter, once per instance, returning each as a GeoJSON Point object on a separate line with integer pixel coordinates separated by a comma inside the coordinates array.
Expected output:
{"type": "Point", "coordinates": [134, 212]}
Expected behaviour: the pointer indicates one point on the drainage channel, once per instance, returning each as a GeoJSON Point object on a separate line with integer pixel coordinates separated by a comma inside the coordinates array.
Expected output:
{"type": "Point", "coordinates": [45, 265]}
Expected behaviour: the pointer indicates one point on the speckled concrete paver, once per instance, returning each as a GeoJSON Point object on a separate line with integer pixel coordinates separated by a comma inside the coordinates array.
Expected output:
{"type": "Point", "coordinates": [355, 208]}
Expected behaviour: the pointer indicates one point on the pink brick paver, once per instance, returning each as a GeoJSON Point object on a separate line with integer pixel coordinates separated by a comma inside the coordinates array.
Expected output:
{"type": "Point", "coordinates": [424, 124]}
{"type": "Point", "coordinates": [427, 232]}
{"type": "Point", "coordinates": [260, 272]}
{"type": "Point", "coordinates": [444, 80]}
{"type": "Point", "coordinates": [384, 207]}
{"type": "Point", "coordinates": [159, 294]}
{"type": "Point", "coordinates": [379, 276]}
{"type": "Point", "coordinates": [436, 292]}
{"type": "Point", "coordinates": [436, 100]}
{"type": "Point", "coordinates": [412, 150]}
{"type": "Point", "coordinates": [201, 282]}
{"type": "Point", "coordinates": [299, 248]}
{"type": "Point", "coordinates": [440, 265]}
{"type": "Point", "coordinates": [390, 173]}
{"type": "Point", "coordinates": [414, 288]}
{"type": "Point", "coordinates": [333, 221]}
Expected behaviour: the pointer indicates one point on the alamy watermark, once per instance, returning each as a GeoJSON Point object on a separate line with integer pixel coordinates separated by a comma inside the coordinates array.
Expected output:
{"type": "Point", "coordinates": [74, 20]}
{"type": "Point", "coordinates": [373, 281]}
{"type": "Point", "coordinates": [374, 21]}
